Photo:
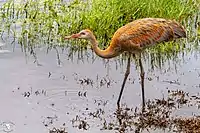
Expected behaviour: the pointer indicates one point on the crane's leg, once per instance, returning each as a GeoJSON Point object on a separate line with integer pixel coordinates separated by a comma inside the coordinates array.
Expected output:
{"type": "Point", "coordinates": [142, 81]}
{"type": "Point", "coordinates": [124, 81]}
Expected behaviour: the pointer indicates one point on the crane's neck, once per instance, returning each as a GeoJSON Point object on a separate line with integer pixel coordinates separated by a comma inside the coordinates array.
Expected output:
{"type": "Point", "coordinates": [109, 52]}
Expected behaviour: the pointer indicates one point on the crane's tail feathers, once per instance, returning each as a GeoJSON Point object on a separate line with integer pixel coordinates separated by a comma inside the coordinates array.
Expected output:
{"type": "Point", "coordinates": [178, 29]}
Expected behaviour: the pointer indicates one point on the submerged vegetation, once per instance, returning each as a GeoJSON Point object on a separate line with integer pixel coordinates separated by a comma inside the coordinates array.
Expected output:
{"type": "Point", "coordinates": [35, 23]}
{"type": "Point", "coordinates": [160, 114]}
{"type": "Point", "coordinates": [44, 23]}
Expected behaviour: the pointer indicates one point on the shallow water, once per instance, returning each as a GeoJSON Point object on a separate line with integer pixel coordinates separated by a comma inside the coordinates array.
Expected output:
{"type": "Point", "coordinates": [48, 95]}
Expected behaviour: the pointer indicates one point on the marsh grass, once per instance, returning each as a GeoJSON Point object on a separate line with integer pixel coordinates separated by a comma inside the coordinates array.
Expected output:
{"type": "Point", "coordinates": [38, 23]}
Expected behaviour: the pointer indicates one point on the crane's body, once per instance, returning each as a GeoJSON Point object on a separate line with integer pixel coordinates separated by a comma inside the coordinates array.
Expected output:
{"type": "Point", "coordinates": [142, 33]}
{"type": "Point", "coordinates": [133, 38]}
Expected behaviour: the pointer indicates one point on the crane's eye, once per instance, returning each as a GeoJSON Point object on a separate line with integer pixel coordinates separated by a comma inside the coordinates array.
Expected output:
{"type": "Point", "coordinates": [82, 33]}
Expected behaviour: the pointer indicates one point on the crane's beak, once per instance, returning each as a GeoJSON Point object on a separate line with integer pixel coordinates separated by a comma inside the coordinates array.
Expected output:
{"type": "Point", "coordinates": [72, 36]}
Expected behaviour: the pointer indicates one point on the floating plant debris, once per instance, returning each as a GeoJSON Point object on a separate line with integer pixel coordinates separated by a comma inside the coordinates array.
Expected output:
{"type": "Point", "coordinates": [158, 114]}
{"type": "Point", "coordinates": [56, 130]}
{"type": "Point", "coordinates": [80, 123]}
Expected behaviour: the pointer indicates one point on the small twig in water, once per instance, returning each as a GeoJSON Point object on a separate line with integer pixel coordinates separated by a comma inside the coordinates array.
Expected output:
{"type": "Point", "coordinates": [35, 57]}
{"type": "Point", "coordinates": [58, 56]}
{"type": "Point", "coordinates": [172, 82]}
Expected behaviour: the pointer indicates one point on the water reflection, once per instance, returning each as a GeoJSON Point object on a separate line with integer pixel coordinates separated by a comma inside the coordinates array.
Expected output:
{"type": "Point", "coordinates": [83, 89]}
{"type": "Point", "coordinates": [86, 89]}
{"type": "Point", "coordinates": [126, 76]}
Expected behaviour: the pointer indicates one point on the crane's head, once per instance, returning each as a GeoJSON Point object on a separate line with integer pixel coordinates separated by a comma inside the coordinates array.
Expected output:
{"type": "Point", "coordinates": [84, 34]}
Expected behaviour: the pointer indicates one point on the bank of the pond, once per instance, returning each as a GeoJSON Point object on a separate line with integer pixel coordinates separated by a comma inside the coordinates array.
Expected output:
{"type": "Point", "coordinates": [46, 22]}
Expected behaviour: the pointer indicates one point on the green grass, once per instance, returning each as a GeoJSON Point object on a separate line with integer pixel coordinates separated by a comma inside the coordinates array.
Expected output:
{"type": "Point", "coordinates": [53, 19]}
{"type": "Point", "coordinates": [116, 13]}
{"type": "Point", "coordinates": [45, 22]}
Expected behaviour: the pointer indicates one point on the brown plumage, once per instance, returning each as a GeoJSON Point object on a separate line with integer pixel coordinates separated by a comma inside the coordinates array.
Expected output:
{"type": "Point", "coordinates": [133, 38]}
{"type": "Point", "coordinates": [142, 33]}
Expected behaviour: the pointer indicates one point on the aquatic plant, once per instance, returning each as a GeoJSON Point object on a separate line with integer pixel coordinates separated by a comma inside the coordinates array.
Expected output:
{"type": "Point", "coordinates": [38, 23]}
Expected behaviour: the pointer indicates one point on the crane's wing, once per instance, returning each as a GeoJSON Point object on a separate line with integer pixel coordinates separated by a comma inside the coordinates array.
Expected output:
{"type": "Point", "coordinates": [146, 32]}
